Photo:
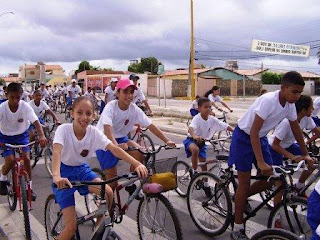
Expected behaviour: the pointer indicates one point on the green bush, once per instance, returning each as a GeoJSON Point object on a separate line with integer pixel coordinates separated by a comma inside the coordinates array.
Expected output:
{"type": "Point", "coordinates": [271, 78]}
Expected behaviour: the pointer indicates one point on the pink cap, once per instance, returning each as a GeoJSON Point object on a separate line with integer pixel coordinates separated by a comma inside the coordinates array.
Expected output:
{"type": "Point", "coordinates": [124, 83]}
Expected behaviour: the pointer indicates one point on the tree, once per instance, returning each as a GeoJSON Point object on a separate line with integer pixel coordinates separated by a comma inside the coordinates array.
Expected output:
{"type": "Point", "coordinates": [84, 65]}
{"type": "Point", "coordinates": [149, 64]}
{"type": "Point", "coordinates": [271, 78]}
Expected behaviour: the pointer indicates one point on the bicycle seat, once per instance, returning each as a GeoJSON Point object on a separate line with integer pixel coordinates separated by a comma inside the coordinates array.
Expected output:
{"type": "Point", "coordinates": [222, 157]}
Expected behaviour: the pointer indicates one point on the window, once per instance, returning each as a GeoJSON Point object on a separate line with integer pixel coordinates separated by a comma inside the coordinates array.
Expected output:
{"type": "Point", "coordinates": [31, 72]}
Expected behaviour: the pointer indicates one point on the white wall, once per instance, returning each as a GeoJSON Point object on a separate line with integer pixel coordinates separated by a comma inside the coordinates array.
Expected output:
{"type": "Point", "coordinates": [164, 87]}
{"type": "Point", "coordinates": [307, 90]}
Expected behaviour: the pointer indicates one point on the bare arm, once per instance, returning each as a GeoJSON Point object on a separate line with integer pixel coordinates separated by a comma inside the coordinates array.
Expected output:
{"type": "Point", "coordinates": [109, 133]}
{"type": "Point", "coordinates": [56, 163]}
{"type": "Point", "coordinates": [231, 129]}
{"type": "Point", "coordinates": [226, 106]}
{"type": "Point", "coordinates": [42, 138]}
{"type": "Point", "coordinates": [147, 106]}
{"type": "Point", "coordinates": [53, 115]}
{"type": "Point", "coordinates": [106, 98]}
{"type": "Point", "coordinates": [316, 134]}
{"type": "Point", "coordinates": [276, 147]}
{"type": "Point", "coordinates": [156, 131]}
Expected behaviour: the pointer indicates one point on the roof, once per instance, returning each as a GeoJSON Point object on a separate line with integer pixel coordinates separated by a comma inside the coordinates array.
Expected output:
{"type": "Point", "coordinates": [184, 71]}
{"type": "Point", "coordinates": [11, 79]}
{"type": "Point", "coordinates": [304, 74]}
{"type": "Point", "coordinates": [52, 67]}
{"type": "Point", "coordinates": [95, 72]}
{"type": "Point", "coordinates": [249, 72]}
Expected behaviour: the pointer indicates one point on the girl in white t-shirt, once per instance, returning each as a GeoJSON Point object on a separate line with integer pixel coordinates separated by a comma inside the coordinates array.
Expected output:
{"type": "Point", "coordinates": [214, 96]}
{"type": "Point", "coordinates": [38, 107]}
{"type": "Point", "coordinates": [73, 145]}
{"type": "Point", "coordinates": [117, 120]}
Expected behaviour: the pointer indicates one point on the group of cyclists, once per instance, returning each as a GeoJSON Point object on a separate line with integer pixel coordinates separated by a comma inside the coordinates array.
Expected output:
{"type": "Point", "coordinates": [286, 111]}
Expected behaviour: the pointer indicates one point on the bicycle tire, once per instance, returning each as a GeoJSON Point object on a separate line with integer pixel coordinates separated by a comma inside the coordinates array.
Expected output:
{"type": "Point", "coordinates": [183, 177]}
{"type": "Point", "coordinates": [220, 196]}
{"type": "Point", "coordinates": [48, 159]}
{"type": "Point", "coordinates": [25, 209]}
{"type": "Point", "coordinates": [52, 206]}
{"type": "Point", "coordinates": [302, 211]}
{"type": "Point", "coordinates": [12, 195]}
{"type": "Point", "coordinates": [143, 226]}
{"type": "Point", "coordinates": [92, 200]}
{"type": "Point", "coordinates": [225, 144]}
{"type": "Point", "coordinates": [145, 141]}
{"type": "Point", "coordinates": [50, 121]}
{"type": "Point", "coordinates": [275, 234]}
{"type": "Point", "coordinates": [34, 158]}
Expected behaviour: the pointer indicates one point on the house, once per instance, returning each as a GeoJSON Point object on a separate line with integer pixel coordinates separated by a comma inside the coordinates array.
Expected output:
{"type": "Point", "coordinates": [252, 74]}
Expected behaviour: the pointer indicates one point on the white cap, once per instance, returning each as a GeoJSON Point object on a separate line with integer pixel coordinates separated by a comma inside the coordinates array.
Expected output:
{"type": "Point", "coordinates": [114, 80]}
{"type": "Point", "coordinates": [73, 80]}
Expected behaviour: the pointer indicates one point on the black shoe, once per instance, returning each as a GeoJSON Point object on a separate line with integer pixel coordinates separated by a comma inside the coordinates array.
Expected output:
{"type": "Point", "coordinates": [4, 188]}
{"type": "Point", "coordinates": [207, 191]}
{"type": "Point", "coordinates": [130, 189]}
{"type": "Point", "coordinates": [33, 195]}
{"type": "Point", "coordinates": [248, 208]}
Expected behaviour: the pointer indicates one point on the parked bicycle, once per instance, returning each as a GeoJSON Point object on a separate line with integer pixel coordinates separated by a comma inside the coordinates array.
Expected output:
{"type": "Point", "coordinates": [155, 214]}
{"type": "Point", "coordinates": [212, 215]}
{"type": "Point", "coordinates": [19, 189]}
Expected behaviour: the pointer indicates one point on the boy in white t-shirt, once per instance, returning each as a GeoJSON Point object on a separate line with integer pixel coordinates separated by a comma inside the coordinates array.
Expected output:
{"type": "Point", "coordinates": [249, 144]}
{"type": "Point", "coordinates": [194, 108]}
{"type": "Point", "coordinates": [214, 96]}
{"type": "Point", "coordinates": [73, 91]}
{"type": "Point", "coordinates": [111, 91]}
{"type": "Point", "coordinates": [203, 126]}
{"type": "Point", "coordinates": [117, 120]}
{"type": "Point", "coordinates": [73, 146]}
{"type": "Point", "coordinates": [316, 105]}
{"type": "Point", "coordinates": [15, 118]}
{"type": "Point", "coordinates": [39, 106]}
{"type": "Point", "coordinates": [44, 92]}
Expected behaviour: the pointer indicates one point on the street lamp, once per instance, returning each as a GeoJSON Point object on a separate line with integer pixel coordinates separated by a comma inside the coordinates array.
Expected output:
{"type": "Point", "coordinates": [6, 13]}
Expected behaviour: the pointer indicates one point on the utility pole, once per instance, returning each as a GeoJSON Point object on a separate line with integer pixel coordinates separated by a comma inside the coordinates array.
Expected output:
{"type": "Point", "coordinates": [191, 70]}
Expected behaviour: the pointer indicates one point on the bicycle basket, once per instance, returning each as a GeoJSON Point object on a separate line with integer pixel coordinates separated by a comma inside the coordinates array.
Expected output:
{"type": "Point", "coordinates": [164, 175]}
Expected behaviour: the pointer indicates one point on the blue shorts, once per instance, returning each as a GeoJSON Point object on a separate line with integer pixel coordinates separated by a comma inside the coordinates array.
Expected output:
{"type": "Point", "coordinates": [65, 197]}
{"type": "Point", "coordinates": [106, 158]}
{"type": "Point", "coordinates": [202, 150]}
{"type": "Point", "coordinates": [316, 121]}
{"type": "Point", "coordinates": [102, 105]}
{"type": "Point", "coordinates": [14, 140]}
{"type": "Point", "coordinates": [241, 152]}
{"type": "Point", "coordinates": [32, 127]}
{"type": "Point", "coordinates": [277, 157]}
{"type": "Point", "coordinates": [69, 101]}
{"type": "Point", "coordinates": [193, 112]}
{"type": "Point", "coordinates": [313, 214]}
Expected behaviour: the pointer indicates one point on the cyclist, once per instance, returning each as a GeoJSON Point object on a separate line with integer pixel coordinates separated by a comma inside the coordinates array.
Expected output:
{"type": "Point", "coordinates": [15, 116]}
{"type": "Point", "coordinates": [194, 109]}
{"type": "Point", "coordinates": [282, 142]}
{"type": "Point", "coordinates": [139, 98]}
{"type": "Point", "coordinates": [38, 107]}
{"type": "Point", "coordinates": [73, 146]}
{"type": "Point", "coordinates": [110, 91]}
{"type": "Point", "coordinates": [44, 92]}
{"type": "Point", "coordinates": [316, 105]}
{"type": "Point", "coordinates": [203, 126]}
{"type": "Point", "coordinates": [117, 120]}
{"type": "Point", "coordinates": [73, 91]}
{"type": "Point", "coordinates": [214, 95]}
{"type": "Point", "coordinates": [3, 94]}
{"type": "Point", "coordinates": [249, 144]}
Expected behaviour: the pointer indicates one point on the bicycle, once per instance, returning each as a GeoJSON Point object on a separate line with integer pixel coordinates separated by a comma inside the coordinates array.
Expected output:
{"type": "Point", "coordinates": [184, 170]}
{"type": "Point", "coordinates": [275, 234]}
{"type": "Point", "coordinates": [19, 186]}
{"type": "Point", "coordinates": [216, 209]}
{"type": "Point", "coordinates": [142, 138]}
{"type": "Point", "coordinates": [148, 222]}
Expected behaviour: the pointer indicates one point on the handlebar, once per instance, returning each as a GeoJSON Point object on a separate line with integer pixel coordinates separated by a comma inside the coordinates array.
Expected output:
{"type": "Point", "coordinates": [16, 146]}
{"type": "Point", "coordinates": [288, 169]}
{"type": "Point", "coordinates": [146, 152]}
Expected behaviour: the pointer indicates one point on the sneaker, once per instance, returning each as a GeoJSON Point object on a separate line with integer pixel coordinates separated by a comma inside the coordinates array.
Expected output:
{"type": "Point", "coordinates": [130, 189]}
{"type": "Point", "coordinates": [277, 224]}
{"type": "Point", "coordinates": [4, 188]}
{"type": "Point", "coordinates": [239, 235]}
{"type": "Point", "coordinates": [33, 195]}
{"type": "Point", "coordinates": [207, 191]}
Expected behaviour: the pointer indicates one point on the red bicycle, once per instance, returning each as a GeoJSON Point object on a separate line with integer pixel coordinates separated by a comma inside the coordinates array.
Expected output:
{"type": "Point", "coordinates": [142, 138]}
{"type": "Point", "coordinates": [19, 186]}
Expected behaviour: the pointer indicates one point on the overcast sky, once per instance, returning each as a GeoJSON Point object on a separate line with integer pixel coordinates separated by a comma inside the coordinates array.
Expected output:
{"type": "Point", "coordinates": [109, 33]}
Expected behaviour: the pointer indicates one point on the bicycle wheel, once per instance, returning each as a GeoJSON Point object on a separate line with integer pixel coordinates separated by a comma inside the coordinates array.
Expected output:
{"type": "Point", "coordinates": [48, 159]}
{"type": "Point", "coordinates": [275, 234]}
{"type": "Point", "coordinates": [183, 177]}
{"type": "Point", "coordinates": [224, 144]}
{"type": "Point", "coordinates": [157, 219]}
{"type": "Point", "coordinates": [25, 208]}
{"type": "Point", "coordinates": [34, 155]}
{"type": "Point", "coordinates": [297, 216]}
{"type": "Point", "coordinates": [12, 195]}
{"type": "Point", "coordinates": [49, 121]}
{"type": "Point", "coordinates": [211, 211]}
{"type": "Point", "coordinates": [146, 142]}
{"type": "Point", "coordinates": [92, 201]}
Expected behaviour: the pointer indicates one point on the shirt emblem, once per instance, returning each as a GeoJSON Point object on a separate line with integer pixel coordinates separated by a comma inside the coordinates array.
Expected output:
{"type": "Point", "coordinates": [84, 153]}
{"type": "Point", "coordinates": [20, 120]}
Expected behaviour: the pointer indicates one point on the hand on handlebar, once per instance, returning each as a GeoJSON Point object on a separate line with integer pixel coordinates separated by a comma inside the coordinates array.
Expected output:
{"type": "Point", "coordinates": [265, 169]}
{"type": "Point", "coordinates": [61, 182]}
{"type": "Point", "coordinates": [124, 146]}
{"type": "Point", "coordinates": [171, 144]}
{"type": "Point", "coordinates": [43, 141]}
{"type": "Point", "coordinates": [309, 161]}
{"type": "Point", "coordinates": [141, 170]}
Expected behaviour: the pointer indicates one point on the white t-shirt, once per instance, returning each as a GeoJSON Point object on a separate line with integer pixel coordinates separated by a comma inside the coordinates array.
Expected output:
{"type": "Point", "coordinates": [138, 96]}
{"type": "Point", "coordinates": [214, 99]}
{"type": "Point", "coordinates": [73, 151]}
{"type": "Point", "coordinates": [207, 128]}
{"type": "Point", "coordinates": [316, 106]}
{"type": "Point", "coordinates": [44, 93]}
{"type": "Point", "coordinates": [270, 110]}
{"type": "Point", "coordinates": [15, 123]}
{"type": "Point", "coordinates": [122, 121]}
{"type": "Point", "coordinates": [75, 91]}
{"type": "Point", "coordinates": [2, 94]}
{"type": "Point", "coordinates": [195, 104]}
{"type": "Point", "coordinates": [38, 109]}
{"type": "Point", "coordinates": [25, 96]}
{"type": "Point", "coordinates": [111, 93]}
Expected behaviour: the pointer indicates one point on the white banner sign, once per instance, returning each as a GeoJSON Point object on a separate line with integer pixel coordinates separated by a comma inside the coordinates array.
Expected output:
{"type": "Point", "coordinates": [280, 48]}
